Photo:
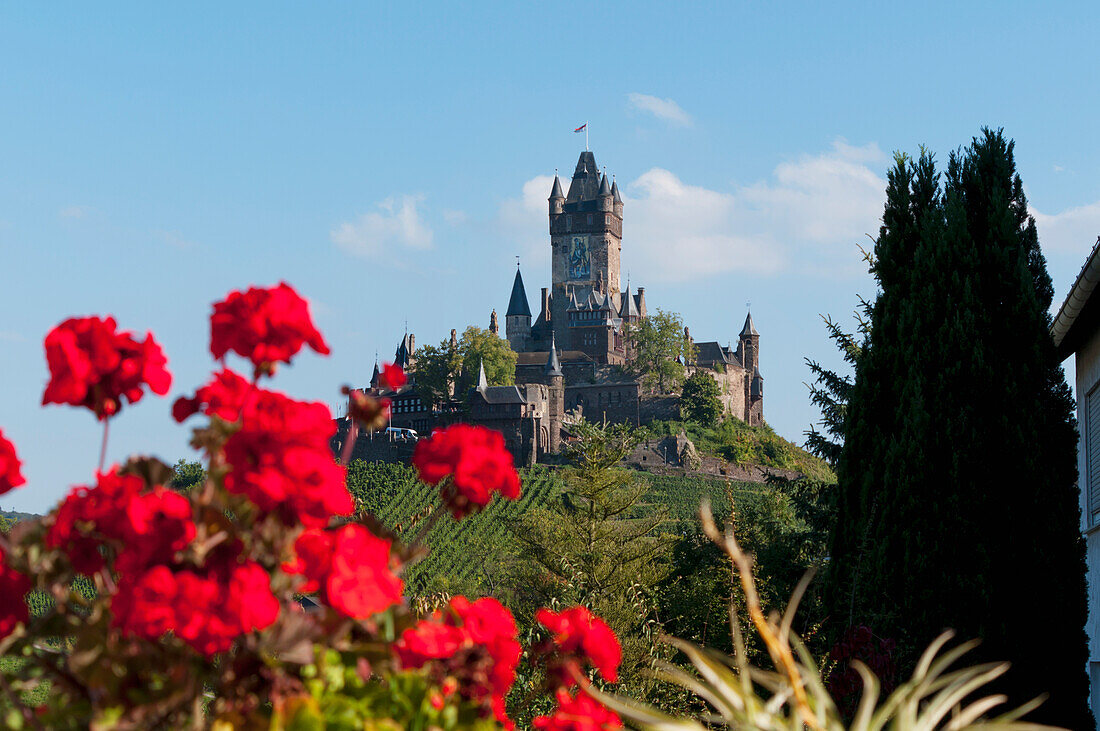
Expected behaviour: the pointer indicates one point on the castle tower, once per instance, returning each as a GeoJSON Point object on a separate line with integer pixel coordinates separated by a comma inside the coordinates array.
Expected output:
{"type": "Point", "coordinates": [586, 230]}
{"type": "Point", "coordinates": [556, 382]}
{"type": "Point", "coordinates": [517, 320]}
{"type": "Point", "coordinates": [749, 346]}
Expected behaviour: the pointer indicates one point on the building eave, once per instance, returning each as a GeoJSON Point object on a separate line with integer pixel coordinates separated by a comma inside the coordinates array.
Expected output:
{"type": "Point", "coordinates": [1062, 330]}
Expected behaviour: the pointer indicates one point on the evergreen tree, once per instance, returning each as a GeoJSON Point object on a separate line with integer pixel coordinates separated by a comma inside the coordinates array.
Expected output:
{"type": "Point", "coordinates": [958, 503]}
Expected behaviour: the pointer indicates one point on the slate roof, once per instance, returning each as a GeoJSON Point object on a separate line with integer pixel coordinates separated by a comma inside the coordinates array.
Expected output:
{"type": "Point", "coordinates": [630, 306]}
{"type": "Point", "coordinates": [517, 304]}
{"type": "Point", "coordinates": [556, 191]}
{"type": "Point", "coordinates": [403, 354]}
{"type": "Point", "coordinates": [711, 352]}
{"type": "Point", "coordinates": [585, 185]}
{"type": "Point", "coordinates": [553, 367]}
{"type": "Point", "coordinates": [502, 395]}
{"type": "Point", "coordinates": [749, 328]}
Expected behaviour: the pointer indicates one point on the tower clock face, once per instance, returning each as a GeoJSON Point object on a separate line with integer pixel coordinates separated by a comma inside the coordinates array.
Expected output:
{"type": "Point", "coordinates": [580, 260]}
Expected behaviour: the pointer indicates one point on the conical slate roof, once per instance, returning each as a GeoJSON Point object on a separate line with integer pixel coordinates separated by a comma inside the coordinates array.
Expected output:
{"type": "Point", "coordinates": [482, 382]}
{"type": "Point", "coordinates": [403, 355]}
{"type": "Point", "coordinates": [605, 189]}
{"type": "Point", "coordinates": [629, 308]}
{"type": "Point", "coordinates": [517, 305]}
{"type": "Point", "coordinates": [553, 366]}
{"type": "Point", "coordinates": [586, 179]}
{"type": "Point", "coordinates": [556, 192]}
{"type": "Point", "coordinates": [749, 328]}
{"type": "Point", "coordinates": [375, 376]}
{"type": "Point", "coordinates": [615, 192]}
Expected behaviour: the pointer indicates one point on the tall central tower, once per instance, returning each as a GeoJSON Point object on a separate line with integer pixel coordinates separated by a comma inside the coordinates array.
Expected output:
{"type": "Point", "coordinates": [586, 232]}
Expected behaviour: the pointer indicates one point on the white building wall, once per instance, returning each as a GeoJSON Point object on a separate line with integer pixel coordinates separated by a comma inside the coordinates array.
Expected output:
{"type": "Point", "coordinates": [1088, 376]}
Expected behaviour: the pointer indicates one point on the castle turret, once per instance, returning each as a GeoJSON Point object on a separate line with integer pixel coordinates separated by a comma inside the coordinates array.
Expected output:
{"type": "Point", "coordinates": [616, 199]}
{"type": "Point", "coordinates": [556, 198]}
{"type": "Point", "coordinates": [556, 406]}
{"type": "Point", "coordinates": [605, 199]}
{"type": "Point", "coordinates": [376, 377]}
{"type": "Point", "coordinates": [517, 320]}
{"type": "Point", "coordinates": [750, 345]}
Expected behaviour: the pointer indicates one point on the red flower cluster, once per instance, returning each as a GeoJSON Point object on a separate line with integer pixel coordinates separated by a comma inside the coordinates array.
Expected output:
{"type": "Point", "coordinates": [281, 460]}
{"type": "Point", "coordinates": [222, 397]}
{"type": "Point", "coordinates": [13, 587]}
{"type": "Point", "coordinates": [475, 643]}
{"type": "Point", "coordinates": [145, 527]}
{"type": "Point", "coordinates": [265, 325]}
{"type": "Point", "coordinates": [207, 609]}
{"type": "Point", "coordinates": [476, 460]}
{"type": "Point", "coordinates": [392, 376]}
{"type": "Point", "coordinates": [349, 567]}
{"type": "Point", "coordinates": [93, 365]}
{"type": "Point", "coordinates": [582, 637]}
{"type": "Point", "coordinates": [10, 475]}
{"type": "Point", "coordinates": [578, 713]}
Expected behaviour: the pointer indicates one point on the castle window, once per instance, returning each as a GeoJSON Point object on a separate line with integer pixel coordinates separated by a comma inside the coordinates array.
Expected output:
{"type": "Point", "coordinates": [568, 223]}
{"type": "Point", "coordinates": [589, 219]}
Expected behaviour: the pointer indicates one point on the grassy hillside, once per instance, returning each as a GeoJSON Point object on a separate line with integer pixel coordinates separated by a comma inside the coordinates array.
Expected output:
{"type": "Point", "coordinates": [735, 441]}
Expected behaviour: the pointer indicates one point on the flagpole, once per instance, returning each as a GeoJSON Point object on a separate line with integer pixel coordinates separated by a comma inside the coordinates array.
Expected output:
{"type": "Point", "coordinates": [586, 135]}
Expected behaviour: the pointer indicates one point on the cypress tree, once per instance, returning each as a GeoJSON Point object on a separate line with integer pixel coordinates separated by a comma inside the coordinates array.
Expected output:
{"type": "Point", "coordinates": [957, 477]}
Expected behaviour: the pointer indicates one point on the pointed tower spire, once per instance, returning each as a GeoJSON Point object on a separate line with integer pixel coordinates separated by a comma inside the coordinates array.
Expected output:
{"type": "Point", "coordinates": [556, 191]}
{"type": "Point", "coordinates": [482, 382]}
{"type": "Point", "coordinates": [749, 328]}
{"type": "Point", "coordinates": [376, 375]}
{"type": "Point", "coordinates": [553, 365]}
{"type": "Point", "coordinates": [517, 304]}
{"type": "Point", "coordinates": [605, 187]}
{"type": "Point", "coordinates": [615, 192]}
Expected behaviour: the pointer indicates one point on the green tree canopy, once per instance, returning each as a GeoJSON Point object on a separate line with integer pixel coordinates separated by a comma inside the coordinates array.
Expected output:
{"type": "Point", "coordinates": [958, 506]}
{"type": "Point", "coordinates": [438, 368]}
{"type": "Point", "coordinates": [658, 348]}
{"type": "Point", "coordinates": [701, 399]}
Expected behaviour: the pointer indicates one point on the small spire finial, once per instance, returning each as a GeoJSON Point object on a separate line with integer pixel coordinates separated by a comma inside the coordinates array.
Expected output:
{"type": "Point", "coordinates": [517, 261]}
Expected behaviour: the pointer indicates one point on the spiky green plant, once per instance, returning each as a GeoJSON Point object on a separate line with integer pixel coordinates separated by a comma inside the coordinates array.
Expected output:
{"type": "Point", "coordinates": [793, 697]}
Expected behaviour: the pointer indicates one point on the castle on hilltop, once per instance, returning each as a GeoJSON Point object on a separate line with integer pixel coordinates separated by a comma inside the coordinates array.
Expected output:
{"type": "Point", "coordinates": [570, 357]}
{"type": "Point", "coordinates": [586, 315]}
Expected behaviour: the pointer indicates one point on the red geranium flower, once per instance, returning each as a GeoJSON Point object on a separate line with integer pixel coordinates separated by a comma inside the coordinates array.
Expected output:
{"type": "Point", "coordinates": [265, 325]}
{"type": "Point", "coordinates": [281, 460]}
{"type": "Point", "coordinates": [476, 460]}
{"type": "Point", "coordinates": [13, 608]}
{"type": "Point", "coordinates": [207, 609]}
{"type": "Point", "coordinates": [474, 643]}
{"type": "Point", "coordinates": [350, 566]}
{"type": "Point", "coordinates": [93, 365]}
{"type": "Point", "coordinates": [578, 713]}
{"type": "Point", "coordinates": [145, 527]}
{"type": "Point", "coordinates": [10, 475]}
{"type": "Point", "coordinates": [223, 397]}
{"type": "Point", "coordinates": [582, 636]}
{"type": "Point", "coordinates": [392, 376]}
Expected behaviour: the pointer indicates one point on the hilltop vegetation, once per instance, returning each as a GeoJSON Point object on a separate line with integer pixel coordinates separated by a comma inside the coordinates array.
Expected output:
{"type": "Point", "coordinates": [738, 443]}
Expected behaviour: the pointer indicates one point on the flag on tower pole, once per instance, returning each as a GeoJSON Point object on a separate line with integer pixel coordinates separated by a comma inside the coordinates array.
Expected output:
{"type": "Point", "coordinates": [585, 128]}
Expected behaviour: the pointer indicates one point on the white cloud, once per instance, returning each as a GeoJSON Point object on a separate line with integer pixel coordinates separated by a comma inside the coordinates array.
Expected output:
{"type": "Point", "coordinates": [177, 240]}
{"type": "Point", "coordinates": [664, 109]}
{"type": "Point", "coordinates": [810, 216]}
{"type": "Point", "coordinates": [396, 222]}
{"type": "Point", "coordinates": [75, 211]}
{"type": "Point", "coordinates": [1074, 230]}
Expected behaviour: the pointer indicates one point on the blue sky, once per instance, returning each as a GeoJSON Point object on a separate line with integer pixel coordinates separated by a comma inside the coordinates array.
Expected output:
{"type": "Point", "coordinates": [391, 160]}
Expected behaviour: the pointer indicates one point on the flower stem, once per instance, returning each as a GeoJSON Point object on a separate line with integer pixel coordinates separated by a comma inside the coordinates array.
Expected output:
{"type": "Point", "coordinates": [349, 442]}
{"type": "Point", "coordinates": [103, 446]}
